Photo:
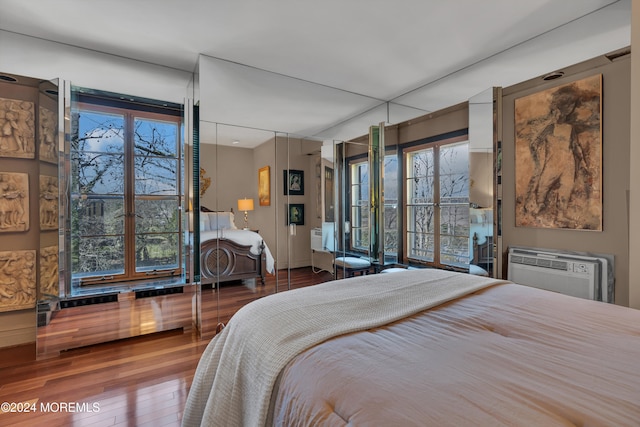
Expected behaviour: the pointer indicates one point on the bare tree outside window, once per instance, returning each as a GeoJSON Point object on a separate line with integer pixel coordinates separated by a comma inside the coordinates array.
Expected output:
{"type": "Point", "coordinates": [124, 183]}
{"type": "Point", "coordinates": [438, 204]}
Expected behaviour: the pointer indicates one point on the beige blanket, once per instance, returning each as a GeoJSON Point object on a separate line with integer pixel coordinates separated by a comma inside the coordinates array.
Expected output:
{"type": "Point", "coordinates": [236, 374]}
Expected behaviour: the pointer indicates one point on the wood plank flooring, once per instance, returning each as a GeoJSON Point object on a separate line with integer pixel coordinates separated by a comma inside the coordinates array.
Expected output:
{"type": "Point", "coordinates": [141, 381]}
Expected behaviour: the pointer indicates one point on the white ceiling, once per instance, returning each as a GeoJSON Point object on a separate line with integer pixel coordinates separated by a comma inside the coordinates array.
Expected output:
{"type": "Point", "coordinates": [329, 69]}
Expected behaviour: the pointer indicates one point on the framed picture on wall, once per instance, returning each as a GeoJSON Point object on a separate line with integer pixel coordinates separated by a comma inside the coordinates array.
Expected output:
{"type": "Point", "coordinates": [560, 187]}
{"type": "Point", "coordinates": [264, 186]}
{"type": "Point", "coordinates": [295, 214]}
{"type": "Point", "coordinates": [293, 181]}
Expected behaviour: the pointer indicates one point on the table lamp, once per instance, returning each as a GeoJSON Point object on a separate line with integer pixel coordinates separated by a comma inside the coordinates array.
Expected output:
{"type": "Point", "coordinates": [245, 205]}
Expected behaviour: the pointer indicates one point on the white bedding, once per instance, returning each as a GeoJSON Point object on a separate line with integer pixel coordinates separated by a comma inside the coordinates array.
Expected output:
{"type": "Point", "coordinates": [236, 374]}
{"type": "Point", "coordinates": [242, 237]}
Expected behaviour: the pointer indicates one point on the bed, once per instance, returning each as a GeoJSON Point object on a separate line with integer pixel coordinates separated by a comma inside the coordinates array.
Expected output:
{"type": "Point", "coordinates": [228, 253]}
{"type": "Point", "coordinates": [421, 347]}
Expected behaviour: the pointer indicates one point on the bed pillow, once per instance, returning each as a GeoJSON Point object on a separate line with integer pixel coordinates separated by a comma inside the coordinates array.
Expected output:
{"type": "Point", "coordinates": [204, 222]}
{"type": "Point", "coordinates": [220, 220]}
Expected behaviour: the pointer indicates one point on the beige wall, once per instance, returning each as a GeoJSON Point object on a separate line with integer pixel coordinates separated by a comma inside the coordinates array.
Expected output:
{"type": "Point", "coordinates": [232, 178]}
{"type": "Point", "coordinates": [634, 160]}
{"type": "Point", "coordinates": [294, 251]}
{"type": "Point", "coordinates": [615, 127]}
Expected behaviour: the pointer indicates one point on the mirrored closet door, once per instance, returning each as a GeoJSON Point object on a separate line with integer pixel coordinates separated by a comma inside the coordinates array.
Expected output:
{"type": "Point", "coordinates": [481, 178]}
{"type": "Point", "coordinates": [237, 220]}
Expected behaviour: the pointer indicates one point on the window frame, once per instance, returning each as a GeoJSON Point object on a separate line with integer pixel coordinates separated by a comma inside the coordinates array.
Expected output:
{"type": "Point", "coordinates": [407, 151]}
{"type": "Point", "coordinates": [131, 272]}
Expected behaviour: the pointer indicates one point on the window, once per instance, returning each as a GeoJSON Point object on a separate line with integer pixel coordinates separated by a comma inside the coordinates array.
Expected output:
{"type": "Point", "coordinates": [360, 205]}
{"type": "Point", "coordinates": [437, 195]}
{"type": "Point", "coordinates": [125, 194]}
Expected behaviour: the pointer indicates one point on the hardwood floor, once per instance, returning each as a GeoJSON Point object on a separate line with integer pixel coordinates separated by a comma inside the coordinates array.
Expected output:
{"type": "Point", "coordinates": [142, 381]}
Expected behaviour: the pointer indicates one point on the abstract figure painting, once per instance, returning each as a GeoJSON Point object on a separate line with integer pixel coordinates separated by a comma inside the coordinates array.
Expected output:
{"type": "Point", "coordinates": [558, 157]}
{"type": "Point", "coordinates": [17, 129]}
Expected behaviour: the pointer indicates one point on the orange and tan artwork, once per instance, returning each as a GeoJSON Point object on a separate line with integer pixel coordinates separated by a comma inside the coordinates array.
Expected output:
{"type": "Point", "coordinates": [264, 186]}
{"type": "Point", "coordinates": [558, 157]}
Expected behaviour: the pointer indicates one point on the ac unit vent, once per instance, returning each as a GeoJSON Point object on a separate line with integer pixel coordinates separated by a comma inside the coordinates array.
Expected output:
{"type": "Point", "coordinates": [546, 263]}
{"type": "Point", "coordinates": [578, 277]}
{"type": "Point", "coordinates": [540, 262]}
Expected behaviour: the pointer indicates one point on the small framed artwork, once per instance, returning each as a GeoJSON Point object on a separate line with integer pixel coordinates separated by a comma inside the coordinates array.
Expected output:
{"type": "Point", "coordinates": [295, 214]}
{"type": "Point", "coordinates": [264, 186]}
{"type": "Point", "coordinates": [293, 182]}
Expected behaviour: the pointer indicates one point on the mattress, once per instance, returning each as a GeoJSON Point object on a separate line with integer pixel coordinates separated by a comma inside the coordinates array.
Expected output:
{"type": "Point", "coordinates": [508, 355]}
{"type": "Point", "coordinates": [421, 347]}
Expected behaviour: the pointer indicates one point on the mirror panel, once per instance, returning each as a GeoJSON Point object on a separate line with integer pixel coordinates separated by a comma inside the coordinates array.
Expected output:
{"type": "Point", "coordinates": [392, 188]}
{"type": "Point", "coordinates": [50, 122]}
{"type": "Point", "coordinates": [237, 217]}
{"type": "Point", "coordinates": [481, 178]}
{"type": "Point", "coordinates": [323, 236]}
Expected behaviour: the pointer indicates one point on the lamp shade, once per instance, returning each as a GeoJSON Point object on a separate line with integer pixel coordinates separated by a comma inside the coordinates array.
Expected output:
{"type": "Point", "coordinates": [245, 205]}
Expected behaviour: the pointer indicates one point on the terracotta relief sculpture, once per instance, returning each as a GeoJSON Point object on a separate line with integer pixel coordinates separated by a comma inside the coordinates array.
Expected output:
{"type": "Point", "coordinates": [17, 280]}
{"type": "Point", "coordinates": [14, 201]}
{"type": "Point", "coordinates": [49, 272]}
{"type": "Point", "coordinates": [47, 136]}
{"type": "Point", "coordinates": [48, 203]}
{"type": "Point", "coordinates": [17, 129]}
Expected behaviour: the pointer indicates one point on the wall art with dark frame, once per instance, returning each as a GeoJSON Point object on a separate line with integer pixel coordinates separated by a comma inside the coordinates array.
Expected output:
{"type": "Point", "coordinates": [295, 214]}
{"type": "Point", "coordinates": [293, 181]}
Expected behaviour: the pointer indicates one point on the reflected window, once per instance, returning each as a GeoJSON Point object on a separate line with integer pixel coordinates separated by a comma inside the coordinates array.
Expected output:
{"type": "Point", "coordinates": [437, 208]}
{"type": "Point", "coordinates": [359, 179]}
{"type": "Point", "coordinates": [360, 206]}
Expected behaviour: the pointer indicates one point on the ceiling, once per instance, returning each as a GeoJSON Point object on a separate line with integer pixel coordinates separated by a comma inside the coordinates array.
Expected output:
{"type": "Point", "coordinates": [329, 69]}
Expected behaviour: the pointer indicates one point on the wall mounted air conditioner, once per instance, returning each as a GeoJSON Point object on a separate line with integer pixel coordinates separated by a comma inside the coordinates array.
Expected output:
{"type": "Point", "coordinates": [576, 275]}
{"type": "Point", "coordinates": [316, 240]}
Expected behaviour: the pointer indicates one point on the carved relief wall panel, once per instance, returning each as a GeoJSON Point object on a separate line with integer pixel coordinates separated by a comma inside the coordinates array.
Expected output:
{"type": "Point", "coordinates": [49, 283]}
{"type": "Point", "coordinates": [17, 128]}
{"type": "Point", "coordinates": [17, 280]}
{"type": "Point", "coordinates": [14, 202]}
{"type": "Point", "coordinates": [48, 202]}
